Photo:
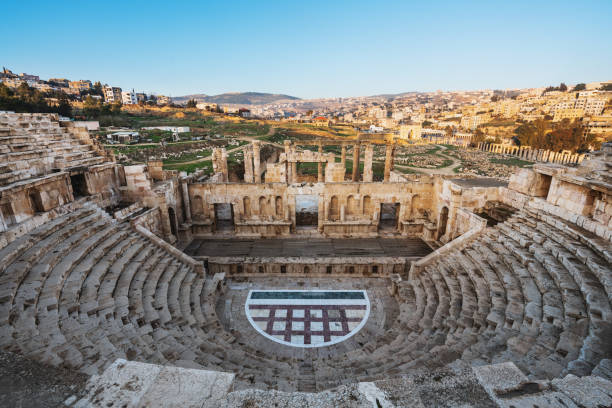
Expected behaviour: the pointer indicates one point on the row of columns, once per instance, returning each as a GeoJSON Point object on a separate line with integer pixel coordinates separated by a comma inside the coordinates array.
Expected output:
{"type": "Point", "coordinates": [252, 162]}
{"type": "Point", "coordinates": [368, 158]}
{"type": "Point", "coordinates": [527, 153]}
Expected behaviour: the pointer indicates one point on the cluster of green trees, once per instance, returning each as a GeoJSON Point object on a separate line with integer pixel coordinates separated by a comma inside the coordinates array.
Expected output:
{"type": "Point", "coordinates": [564, 135]}
{"type": "Point", "coordinates": [562, 87]}
{"type": "Point", "coordinates": [606, 87]}
{"type": "Point", "coordinates": [31, 100]}
{"type": "Point", "coordinates": [94, 108]}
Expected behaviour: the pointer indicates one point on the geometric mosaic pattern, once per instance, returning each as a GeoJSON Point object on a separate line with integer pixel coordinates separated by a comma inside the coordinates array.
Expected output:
{"type": "Point", "coordinates": [307, 318]}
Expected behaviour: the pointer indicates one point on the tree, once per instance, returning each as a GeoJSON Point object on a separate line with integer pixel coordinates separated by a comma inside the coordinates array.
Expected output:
{"type": "Point", "coordinates": [606, 87]}
{"type": "Point", "coordinates": [448, 131]}
{"type": "Point", "coordinates": [495, 98]}
{"type": "Point", "coordinates": [191, 103]}
{"type": "Point", "coordinates": [426, 123]}
{"type": "Point", "coordinates": [91, 107]}
{"type": "Point", "coordinates": [563, 87]}
{"type": "Point", "coordinates": [478, 137]}
{"type": "Point", "coordinates": [97, 89]}
{"type": "Point", "coordinates": [310, 112]}
{"type": "Point", "coordinates": [64, 108]}
{"type": "Point", "coordinates": [116, 108]}
{"type": "Point", "coordinates": [28, 99]}
{"type": "Point", "coordinates": [579, 87]}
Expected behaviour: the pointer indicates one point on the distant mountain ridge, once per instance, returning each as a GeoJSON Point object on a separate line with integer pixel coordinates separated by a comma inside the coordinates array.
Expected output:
{"type": "Point", "coordinates": [237, 98]}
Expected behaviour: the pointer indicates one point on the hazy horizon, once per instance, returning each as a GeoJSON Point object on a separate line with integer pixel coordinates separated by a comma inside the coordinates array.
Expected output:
{"type": "Point", "coordinates": [344, 49]}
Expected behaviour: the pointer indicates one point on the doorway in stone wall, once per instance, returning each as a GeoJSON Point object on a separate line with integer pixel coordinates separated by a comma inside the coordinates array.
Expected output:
{"type": "Point", "coordinates": [306, 211]}
{"type": "Point", "coordinates": [442, 222]}
{"type": "Point", "coordinates": [79, 185]}
{"type": "Point", "coordinates": [173, 223]}
{"type": "Point", "coordinates": [389, 213]}
{"type": "Point", "coordinates": [224, 217]}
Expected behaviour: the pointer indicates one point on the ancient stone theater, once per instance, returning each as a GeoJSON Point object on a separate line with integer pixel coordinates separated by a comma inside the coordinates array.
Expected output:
{"type": "Point", "coordinates": [168, 289]}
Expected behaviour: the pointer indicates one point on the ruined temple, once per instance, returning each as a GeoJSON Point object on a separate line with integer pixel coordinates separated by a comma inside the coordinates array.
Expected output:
{"type": "Point", "coordinates": [284, 288]}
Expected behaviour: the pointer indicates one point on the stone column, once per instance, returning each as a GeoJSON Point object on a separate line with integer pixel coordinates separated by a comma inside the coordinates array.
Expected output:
{"type": "Point", "coordinates": [294, 172]}
{"type": "Point", "coordinates": [389, 153]}
{"type": "Point", "coordinates": [224, 165]}
{"type": "Point", "coordinates": [248, 165]}
{"type": "Point", "coordinates": [219, 157]}
{"type": "Point", "coordinates": [256, 161]}
{"type": "Point", "coordinates": [287, 144]}
{"type": "Point", "coordinates": [343, 156]}
{"type": "Point", "coordinates": [367, 163]}
{"type": "Point", "coordinates": [320, 164]}
{"type": "Point", "coordinates": [356, 152]}
{"type": "Point", "coordinates": [186, 204]}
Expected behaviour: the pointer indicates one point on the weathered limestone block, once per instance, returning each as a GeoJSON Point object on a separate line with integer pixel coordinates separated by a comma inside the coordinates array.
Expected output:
{"type": "Point", "coordinates": [589, 392]}
{"type": "Point", "coordinates": [276, 173]}
{"type": "Point", "coordinates": [572, 197]}
{"type": "Point", "coordinates": [334, 172]}
{"type": "Point", "coordinates": [529, 182]}
{"type": "Point", "coordinates": [129, 383]}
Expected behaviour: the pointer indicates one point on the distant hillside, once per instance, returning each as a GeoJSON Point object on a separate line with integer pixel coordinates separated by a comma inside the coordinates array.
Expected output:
{"type": "Point", "coordinates": [183, 99]}
{"type": "Point", "coordinates": [237, 98]}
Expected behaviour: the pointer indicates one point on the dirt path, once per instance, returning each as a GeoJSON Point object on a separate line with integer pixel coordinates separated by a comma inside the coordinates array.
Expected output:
{"type": "Point", "coordinates": [208, 158]}
{"type": "Point", "coordinates": [447, 171]}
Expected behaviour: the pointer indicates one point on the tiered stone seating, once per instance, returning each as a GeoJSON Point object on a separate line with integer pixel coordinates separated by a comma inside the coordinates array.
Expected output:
{"type": "Point", "coordinates": [530, 291]}
{"type": "Point", "coordinates": [32, 145]}
{"type": "Point", "coordinates": [85, 289]}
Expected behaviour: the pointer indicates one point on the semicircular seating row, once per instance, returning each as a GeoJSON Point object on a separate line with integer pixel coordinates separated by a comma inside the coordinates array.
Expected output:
{"type": "Point", "coordinates": [83, 290]}
{"type": "Point", "coordinates": [533, 290]}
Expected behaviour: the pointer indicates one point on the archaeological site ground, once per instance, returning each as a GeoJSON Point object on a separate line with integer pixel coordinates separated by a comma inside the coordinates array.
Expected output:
{"type": "Point", "coordinates": [320, 273]}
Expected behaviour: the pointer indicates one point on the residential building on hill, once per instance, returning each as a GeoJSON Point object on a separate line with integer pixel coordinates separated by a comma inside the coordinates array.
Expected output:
{"type": "Point", "coordinates": [81, 85]}
{"type": "Point", "coordinates": [129, 98]}
{"type": "Point", "coordinates": [112, 94]}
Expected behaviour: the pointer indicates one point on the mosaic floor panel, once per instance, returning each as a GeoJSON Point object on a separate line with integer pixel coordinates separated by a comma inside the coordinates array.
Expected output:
{"type": "Point", "coordinates": [307, 318]}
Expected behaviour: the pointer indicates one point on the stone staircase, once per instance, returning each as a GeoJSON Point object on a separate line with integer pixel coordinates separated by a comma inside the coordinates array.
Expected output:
{"type": "Point", "coordinates": [32, 145]}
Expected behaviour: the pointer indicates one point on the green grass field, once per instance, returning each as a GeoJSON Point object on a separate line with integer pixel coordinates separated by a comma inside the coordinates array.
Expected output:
{"type": "Point", "coordinates": [512, 162]}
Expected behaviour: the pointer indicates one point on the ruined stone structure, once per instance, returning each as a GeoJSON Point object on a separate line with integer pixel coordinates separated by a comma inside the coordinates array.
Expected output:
{"type": "Point", "coordinates": [478, 292]}
{"type": "Point", "coordinates": [538, 155]}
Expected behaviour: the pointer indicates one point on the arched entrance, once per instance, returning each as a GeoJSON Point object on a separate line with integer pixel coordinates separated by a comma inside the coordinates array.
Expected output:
{"type": "Point", "coordinates": [172, 219]}
{"type": "Point", "coordinates": [442, 222]}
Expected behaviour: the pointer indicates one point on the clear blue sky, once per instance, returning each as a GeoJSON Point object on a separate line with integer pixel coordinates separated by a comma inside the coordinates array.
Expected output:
{"type": "Point", "coordinates": [310, 48]}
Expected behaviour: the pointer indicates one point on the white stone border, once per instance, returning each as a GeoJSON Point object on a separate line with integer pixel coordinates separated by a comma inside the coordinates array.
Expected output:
{"type": "Point", "coordinates": [306, 302]}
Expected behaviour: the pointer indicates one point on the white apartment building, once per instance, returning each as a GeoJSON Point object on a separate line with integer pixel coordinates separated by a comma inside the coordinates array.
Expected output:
{"type": "Point", "coordinates": [397, 115]}
{"type": "Point", "coordinates": [129, 98]}
{"type": "Point", "coordinates": [111, 94]}
{"type": "Point", "coordinates": [590, 106]}
{"type": "Point", "coordinates": [472, 122]}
